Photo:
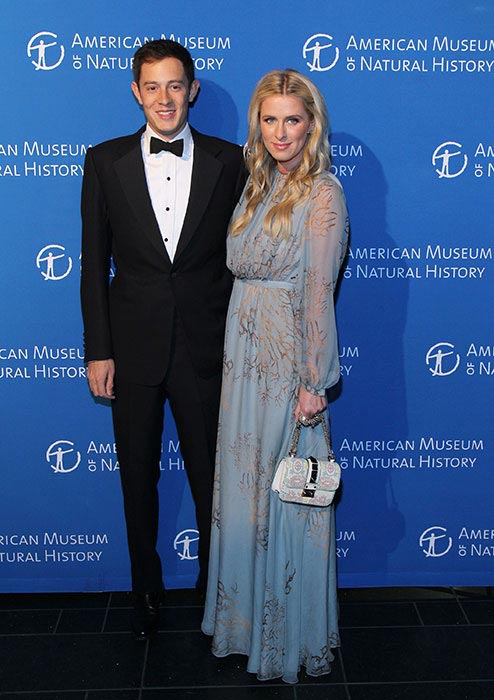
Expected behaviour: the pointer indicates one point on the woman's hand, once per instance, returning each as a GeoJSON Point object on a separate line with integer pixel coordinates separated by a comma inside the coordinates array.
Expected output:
{"type": "Point", "coordinates": [308, 404]}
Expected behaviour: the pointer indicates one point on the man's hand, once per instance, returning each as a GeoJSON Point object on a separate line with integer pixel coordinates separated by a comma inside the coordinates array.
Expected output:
{"type": "Point", "coordinates": [100, 374]}
{"type": "Point", "coordinates": [309, 404]}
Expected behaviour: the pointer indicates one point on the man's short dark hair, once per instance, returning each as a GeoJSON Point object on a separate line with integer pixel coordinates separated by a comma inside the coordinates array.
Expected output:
{"type": "Point", "coordinates": [163, 48]}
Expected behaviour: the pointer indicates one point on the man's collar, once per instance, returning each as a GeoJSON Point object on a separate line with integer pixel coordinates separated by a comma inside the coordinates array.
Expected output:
{"type": "Point", "coordinates": [185, 134]}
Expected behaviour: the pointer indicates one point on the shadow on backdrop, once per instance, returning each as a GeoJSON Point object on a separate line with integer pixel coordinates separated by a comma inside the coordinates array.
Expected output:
{"type": "Point", "coordinates": [372, 312]}
{"type": "Point", "coordinates": [214, 112]}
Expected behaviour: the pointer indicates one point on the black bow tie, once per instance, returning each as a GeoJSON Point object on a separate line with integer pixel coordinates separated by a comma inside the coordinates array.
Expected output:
{"type": "Point", "coordinates": [175, 147]}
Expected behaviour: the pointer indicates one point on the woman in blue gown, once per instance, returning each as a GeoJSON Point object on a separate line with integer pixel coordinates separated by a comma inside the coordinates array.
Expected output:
{"type": "Point", "coordinates": [272, 577]}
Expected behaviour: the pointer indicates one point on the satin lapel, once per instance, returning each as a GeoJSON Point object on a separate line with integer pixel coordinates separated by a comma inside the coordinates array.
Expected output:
{"type": "Point", "coordinates": [205, 173]}
{"type": "Point", "coordinates": [130, 172]}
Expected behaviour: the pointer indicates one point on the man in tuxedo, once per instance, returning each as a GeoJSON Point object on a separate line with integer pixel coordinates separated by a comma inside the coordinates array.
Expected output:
{"type": "Point", "coordinates": [158, 203]}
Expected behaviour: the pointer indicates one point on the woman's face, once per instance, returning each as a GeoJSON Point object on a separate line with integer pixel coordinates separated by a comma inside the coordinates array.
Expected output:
{"type": "Point", "coordinates": [284, 127]}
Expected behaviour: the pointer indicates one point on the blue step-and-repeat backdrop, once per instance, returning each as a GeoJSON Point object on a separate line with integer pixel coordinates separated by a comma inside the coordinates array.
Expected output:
{"type": "Point", "coordinates": [409, 88]}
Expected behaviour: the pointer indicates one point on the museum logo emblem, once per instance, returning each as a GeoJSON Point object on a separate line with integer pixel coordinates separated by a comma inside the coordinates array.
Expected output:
{"type": "Point", "coordinates": [449, 160]}
{"type": "Point", "coordinates": [53, 263]}
{"type": "Point", "coordinates": [185, 544]}
{"type": "Point", "coordinates": [442, 360]}
{"type": "Point", "coordinates": [435, 541]}
{"type": "Point", "coordinates": [44, 51]}
{"type": "Point", "coordinates": [320, 52]}
{"type": "Point", "coordinates": [62, 457]}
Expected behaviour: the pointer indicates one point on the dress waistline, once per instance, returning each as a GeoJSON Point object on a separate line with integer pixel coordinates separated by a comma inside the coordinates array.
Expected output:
{"type": "Point", "coordinates": [271, 284]}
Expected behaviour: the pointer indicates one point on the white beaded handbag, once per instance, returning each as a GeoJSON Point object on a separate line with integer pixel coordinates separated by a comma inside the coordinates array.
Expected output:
{"type": "Point", "coordinates": [310, 481]}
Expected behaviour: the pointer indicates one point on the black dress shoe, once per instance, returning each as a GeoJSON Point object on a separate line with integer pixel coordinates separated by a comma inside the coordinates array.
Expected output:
{"type": "Point", "coordinates": [145, 618]}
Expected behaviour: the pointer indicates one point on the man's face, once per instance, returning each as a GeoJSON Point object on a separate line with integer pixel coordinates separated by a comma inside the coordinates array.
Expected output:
{"type": "Point", "coordinates": [165, 95]}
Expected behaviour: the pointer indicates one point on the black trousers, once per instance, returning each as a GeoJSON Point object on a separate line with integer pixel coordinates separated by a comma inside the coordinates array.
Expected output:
{"type": "Point", "coordinates": [138, 413]}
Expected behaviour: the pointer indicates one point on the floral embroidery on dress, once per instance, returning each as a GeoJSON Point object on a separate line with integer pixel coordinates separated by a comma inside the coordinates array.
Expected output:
{"type": "Point", "coordinates": [233, 629]}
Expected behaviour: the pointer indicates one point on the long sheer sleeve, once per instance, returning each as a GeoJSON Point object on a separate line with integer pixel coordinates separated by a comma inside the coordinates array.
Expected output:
{"type": "Point", "coordinates": [324, 242]}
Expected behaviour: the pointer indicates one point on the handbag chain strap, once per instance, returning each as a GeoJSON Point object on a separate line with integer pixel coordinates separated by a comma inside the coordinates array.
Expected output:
{"type": "Point", "coordinates": [312, 423]}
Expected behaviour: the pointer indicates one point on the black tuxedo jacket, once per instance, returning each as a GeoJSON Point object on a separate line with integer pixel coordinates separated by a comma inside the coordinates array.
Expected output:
{"type": "Point", "coordinates": [131, 319]}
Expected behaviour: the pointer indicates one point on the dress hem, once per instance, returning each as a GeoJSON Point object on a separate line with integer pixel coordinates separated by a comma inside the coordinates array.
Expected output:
{"type": "Point", "coordinates": [287, 679]}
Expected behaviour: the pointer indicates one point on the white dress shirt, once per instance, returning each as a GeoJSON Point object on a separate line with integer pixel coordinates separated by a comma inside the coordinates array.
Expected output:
{"type": "Point", "coordinates": [168, 178]}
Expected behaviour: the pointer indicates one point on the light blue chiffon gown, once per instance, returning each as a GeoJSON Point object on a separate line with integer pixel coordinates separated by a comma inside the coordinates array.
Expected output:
{"type": "Point", "coordinates": [272, 577]}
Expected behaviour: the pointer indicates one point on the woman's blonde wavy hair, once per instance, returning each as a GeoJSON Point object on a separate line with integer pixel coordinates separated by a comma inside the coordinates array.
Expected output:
{"type": "Point", "coordinates": [262, 166]}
